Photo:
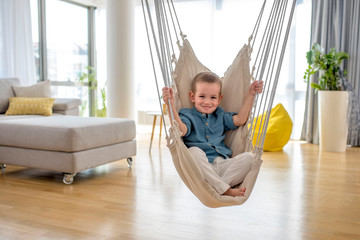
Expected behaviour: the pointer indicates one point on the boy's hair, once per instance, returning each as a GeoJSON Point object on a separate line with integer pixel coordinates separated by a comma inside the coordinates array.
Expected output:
{"type": "Point", "coordinates": [207, 77]}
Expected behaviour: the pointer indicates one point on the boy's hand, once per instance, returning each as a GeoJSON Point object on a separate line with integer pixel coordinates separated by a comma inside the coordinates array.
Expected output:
{"type": "Point", "coordinates": [168, 93]}
{"type": "Point", "coordinates": [256, 87]}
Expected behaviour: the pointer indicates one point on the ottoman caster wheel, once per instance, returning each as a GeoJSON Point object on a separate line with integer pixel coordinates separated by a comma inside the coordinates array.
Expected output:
{"type": "Point", "coordinates": [2, 167]}
{"type": "Point", "coordinates": [129, 161]}
{"type": "Point", "coordinates": [68, 178]}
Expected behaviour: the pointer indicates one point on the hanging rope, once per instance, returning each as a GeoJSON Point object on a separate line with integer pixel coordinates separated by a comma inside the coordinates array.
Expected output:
{"type": "Point", "coordinates": [267, 64]}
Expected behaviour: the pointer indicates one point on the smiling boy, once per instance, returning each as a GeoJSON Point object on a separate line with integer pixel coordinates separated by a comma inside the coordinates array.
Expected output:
{"type": "Point", "coordinates": [203, 130]}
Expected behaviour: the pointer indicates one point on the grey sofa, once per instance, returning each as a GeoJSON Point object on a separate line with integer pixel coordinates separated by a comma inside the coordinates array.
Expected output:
{"type": "Point", "coordinates": [63, 142]}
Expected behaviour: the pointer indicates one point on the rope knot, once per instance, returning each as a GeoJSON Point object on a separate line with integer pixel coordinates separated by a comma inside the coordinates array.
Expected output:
{"type": "Point", "coordinates": [249, 39]}
{"type": "Point", "coordinates": [173, 59]}
{"type": "Point", "coordinates": [258, 152]}
{"type": "Point", "coordinates": [252, 73]}
{"type": "Point", "coordinates": [178, 43]}
{"type": "Point", "coordinates": [183, 36]}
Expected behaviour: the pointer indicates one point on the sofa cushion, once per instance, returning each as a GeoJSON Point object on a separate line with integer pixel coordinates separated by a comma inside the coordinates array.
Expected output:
{"type": "Point", "coordinates": [6, 92]}
{"type": "Point", "coordinates": [65, 133]}
{"type": "Point", "coordinates": [64, 104]}
{"type": "Point", "coordinates": [39, 90]}
{"type": "Point", "coordinates": [30, 106]}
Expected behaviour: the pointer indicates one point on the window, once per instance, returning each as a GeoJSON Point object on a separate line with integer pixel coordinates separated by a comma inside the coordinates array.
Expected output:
{"type": "Point", "coordinates": [63, 36]}
{"type": "Point", "coordinates": [67, 40]}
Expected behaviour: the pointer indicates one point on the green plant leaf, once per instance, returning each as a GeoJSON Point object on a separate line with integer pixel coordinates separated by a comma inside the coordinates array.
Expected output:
{"type": "Point", "coordinates": [317, 48]}
{"type": "Point", "coordinates": [316, 86]}
{"type": "Point", "coordinates": [342, 55]}
{"type": "Point", "coordinates": [309, 57]}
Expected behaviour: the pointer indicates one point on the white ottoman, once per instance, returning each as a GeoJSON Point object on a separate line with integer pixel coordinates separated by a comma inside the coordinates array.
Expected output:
{"type": "Point", "coordinates": [67, 144]}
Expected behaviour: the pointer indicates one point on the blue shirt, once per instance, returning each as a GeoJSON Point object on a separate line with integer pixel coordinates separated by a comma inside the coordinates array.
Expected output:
{"type": "Point", "coordinates": [207, 131]}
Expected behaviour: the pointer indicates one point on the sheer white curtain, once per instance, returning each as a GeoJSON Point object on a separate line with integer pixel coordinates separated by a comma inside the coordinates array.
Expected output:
{"type": "Point", "coordinates": [16, 45]}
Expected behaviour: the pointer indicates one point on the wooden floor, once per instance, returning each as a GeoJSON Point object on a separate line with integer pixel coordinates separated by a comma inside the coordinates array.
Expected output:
{"type": "Point", "coordinates": [300, 194]}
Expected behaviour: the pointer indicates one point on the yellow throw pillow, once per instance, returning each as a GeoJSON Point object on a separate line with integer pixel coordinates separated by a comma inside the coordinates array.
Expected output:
{"type": "Point", "coordinates": [30, 106]}
{"type": "Point", "coordinates": [278, 131]}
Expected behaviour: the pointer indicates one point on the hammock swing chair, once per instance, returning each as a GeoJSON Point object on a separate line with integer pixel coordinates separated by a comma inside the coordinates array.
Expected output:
{"type": "Point", "coordinates": [178, 72]}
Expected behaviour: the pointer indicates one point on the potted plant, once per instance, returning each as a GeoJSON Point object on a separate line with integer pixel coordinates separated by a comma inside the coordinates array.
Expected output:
{"type": "Point", "coordinates": [332, 99]}
{"type": "Point", "coordinates": [89, 76]}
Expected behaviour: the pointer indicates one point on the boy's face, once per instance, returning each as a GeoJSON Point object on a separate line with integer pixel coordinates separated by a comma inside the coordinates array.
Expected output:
{"type": "Point", "coordinates": [207, 97]}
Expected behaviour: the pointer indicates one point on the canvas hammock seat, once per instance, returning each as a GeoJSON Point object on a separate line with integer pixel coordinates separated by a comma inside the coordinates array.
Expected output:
{"type": "Point", "coordinates": [235, 84]}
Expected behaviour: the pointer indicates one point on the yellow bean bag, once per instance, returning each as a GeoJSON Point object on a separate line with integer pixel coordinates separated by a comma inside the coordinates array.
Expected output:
{"type": "Point", "coordinates": [278, 131]}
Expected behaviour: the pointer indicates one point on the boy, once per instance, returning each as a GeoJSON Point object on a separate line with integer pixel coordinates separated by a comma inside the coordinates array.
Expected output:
{"type": "Point", "coordinates": [203, 130]}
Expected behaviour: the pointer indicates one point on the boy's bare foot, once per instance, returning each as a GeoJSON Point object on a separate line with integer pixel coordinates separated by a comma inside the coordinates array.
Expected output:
{"type": "Point", "coordinates": [235, 192]}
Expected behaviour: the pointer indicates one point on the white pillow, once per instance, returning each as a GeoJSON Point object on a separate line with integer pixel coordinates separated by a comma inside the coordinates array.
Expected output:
{"type": "Point", "coordinates": [39, 90]}
{"type": "Point", "coordinates": [6, 92]}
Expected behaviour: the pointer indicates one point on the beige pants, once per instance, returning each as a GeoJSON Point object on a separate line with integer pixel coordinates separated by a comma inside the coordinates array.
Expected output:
{"type": "Point", "coordinates": [223, 173]}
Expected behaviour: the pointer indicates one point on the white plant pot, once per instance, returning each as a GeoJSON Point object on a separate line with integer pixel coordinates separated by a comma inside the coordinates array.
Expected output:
{"type": "Point", "coordinates": [333, 122]}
